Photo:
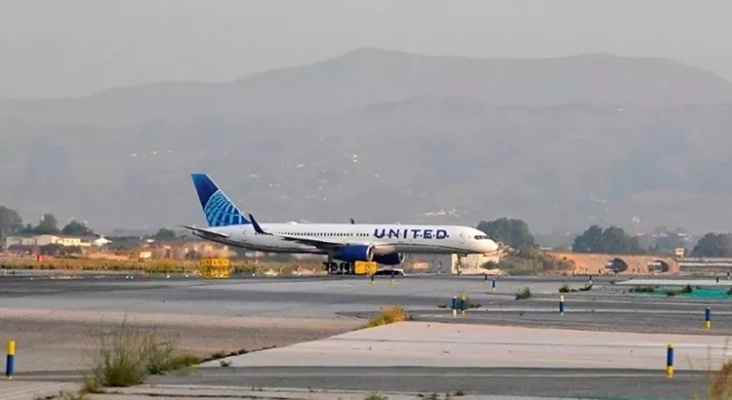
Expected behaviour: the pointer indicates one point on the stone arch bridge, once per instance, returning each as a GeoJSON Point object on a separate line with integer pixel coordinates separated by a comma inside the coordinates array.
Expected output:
{"type": "Point", "coordinates": [600, 264]}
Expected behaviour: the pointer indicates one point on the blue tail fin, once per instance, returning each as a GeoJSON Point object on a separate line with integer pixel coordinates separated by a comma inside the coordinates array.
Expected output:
{"type": "Point", "coordinates": [217, 208]}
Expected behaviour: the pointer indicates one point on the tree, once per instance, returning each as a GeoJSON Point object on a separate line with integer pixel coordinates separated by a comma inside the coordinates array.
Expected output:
{"type": "Point", "coordinates": [513, 232]}
{"type": "Point", "coordinates": [10, 222]}
{"type": "Point", "coordinates": [713, 245]}
{"type": "Point", "coordinates": [28, 229]}
{"type": "Point", "coordinates": [165, 233]}
{"type": "Point", "coordinates": [612, 240]}
{"type": "Point", "coordinates": [76, 228]}
{"type": "Point", "coordinates": [588, 241]}
{"type": "Point", "coordinates": [667, 244]}
{"type": "Point", "coordinates": [48, 225]}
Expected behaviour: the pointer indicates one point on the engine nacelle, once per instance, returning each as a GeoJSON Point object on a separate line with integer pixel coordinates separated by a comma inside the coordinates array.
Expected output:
{"type": "Point", "coordinates": [389, 259]}
{"type": "Point", "coordinates": [355, 253]}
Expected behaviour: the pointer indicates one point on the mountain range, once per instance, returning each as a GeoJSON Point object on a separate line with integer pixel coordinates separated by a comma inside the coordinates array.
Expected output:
{"type": "Point", "coordinates": [386, 136]}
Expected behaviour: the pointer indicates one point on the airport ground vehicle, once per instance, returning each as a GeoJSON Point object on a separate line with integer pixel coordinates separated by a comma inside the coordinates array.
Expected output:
{"type": "Point", "coordinates": [361, 268]}
{"type": "Point", "coordinates": [355, 268]}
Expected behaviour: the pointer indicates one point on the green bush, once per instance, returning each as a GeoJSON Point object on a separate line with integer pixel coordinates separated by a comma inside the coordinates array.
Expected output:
{"type": "Point", "coordinates": [524, 293]}
{"type": "Point", "coordinates": [643, 289]}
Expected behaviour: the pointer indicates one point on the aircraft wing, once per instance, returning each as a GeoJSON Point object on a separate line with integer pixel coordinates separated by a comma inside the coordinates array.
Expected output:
{"type": "Point", "coordinates": [206, 232]}
{"type": "Point", "coordinates": [310, 241]}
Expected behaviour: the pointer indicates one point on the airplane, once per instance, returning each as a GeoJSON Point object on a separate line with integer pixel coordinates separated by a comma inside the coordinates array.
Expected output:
{"type": "Point", "coordinates": [385, 244]}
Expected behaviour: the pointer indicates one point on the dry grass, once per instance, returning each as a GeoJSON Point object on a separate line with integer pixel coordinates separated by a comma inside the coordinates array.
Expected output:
{"type": "Point", "coordinates": [71, 396]}
{"type": "Point", "coordinates": [719, 381]}
{"type": "Point", "coordinates": [127, 355]}
{"type": "Point", "coordinates": [387, 316]}
{"type": "Point", "coordinates": [721, 386]}
{"type": "Point", "coordinates": [150, 266]}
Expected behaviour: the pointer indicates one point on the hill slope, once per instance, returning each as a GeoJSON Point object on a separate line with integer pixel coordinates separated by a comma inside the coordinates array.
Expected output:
{"type": "Point", "coordinates": [386, 136]}
{"type": "Point", "coordinates": [369, 76]}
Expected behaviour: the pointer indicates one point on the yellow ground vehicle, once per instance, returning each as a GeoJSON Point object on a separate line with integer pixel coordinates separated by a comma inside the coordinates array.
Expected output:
{"type": "Point", "coordinates": [357, 268]}
{"type": "Point", "coordinates": [365, 268]}
{"type": "Point", "coordinates": [214, 267]}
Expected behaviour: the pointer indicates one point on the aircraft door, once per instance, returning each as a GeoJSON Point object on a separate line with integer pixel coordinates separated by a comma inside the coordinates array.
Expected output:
{"type": "Point", "coordinates": [462, 238]}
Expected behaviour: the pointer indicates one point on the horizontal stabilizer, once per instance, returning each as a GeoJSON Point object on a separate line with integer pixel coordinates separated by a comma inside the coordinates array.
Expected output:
{"type": "Point", "coordinates": [205, 232]}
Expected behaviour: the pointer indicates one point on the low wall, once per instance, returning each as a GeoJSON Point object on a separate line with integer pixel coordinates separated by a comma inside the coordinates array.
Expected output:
{"type": "Point", "coordinates": [596, 264]}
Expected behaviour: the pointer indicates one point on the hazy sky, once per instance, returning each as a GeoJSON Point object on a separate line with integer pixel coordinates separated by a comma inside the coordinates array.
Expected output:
{"type": "Point", "coordinates": [75, 47]}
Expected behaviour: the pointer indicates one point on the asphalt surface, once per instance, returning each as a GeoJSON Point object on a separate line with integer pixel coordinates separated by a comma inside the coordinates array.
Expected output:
{"type": "Point", "coordinates": [534, 382]}
{"type": "Point", "coordinates": [294, 297]}
{"type": "Point", "coordinates": [605, 307]}
{"type": "Point", "coordinates": [489, 381]}
{"type": "Point", "coordinates": [603, 312]}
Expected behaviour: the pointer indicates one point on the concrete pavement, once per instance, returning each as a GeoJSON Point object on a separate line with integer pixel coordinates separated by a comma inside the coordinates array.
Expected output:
{"type": "Point", "coordinates": [59, 317]}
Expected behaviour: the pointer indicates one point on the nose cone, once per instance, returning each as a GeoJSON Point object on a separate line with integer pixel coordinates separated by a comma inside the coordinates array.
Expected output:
{"type": "Point", "coordinates": [490, 246]}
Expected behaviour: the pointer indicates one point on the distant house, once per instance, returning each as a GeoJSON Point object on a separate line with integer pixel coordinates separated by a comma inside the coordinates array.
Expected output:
{"type": "Point", "coordinates": [94, 241]}
{"type": "Point", "coordinates": [23, 249]}
{"type": "Point", "coordinates": [185, 248]}
{"type": "Point", "coordinates": [19, 240]}
{"type": "Point", "coordinates": [61, 240]}
{"type": "Point", "coordinates": [101, 241]}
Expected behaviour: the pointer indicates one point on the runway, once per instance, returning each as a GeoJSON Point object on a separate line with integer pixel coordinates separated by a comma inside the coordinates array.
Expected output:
{"type": "Point", "coordinates": [53, 320]}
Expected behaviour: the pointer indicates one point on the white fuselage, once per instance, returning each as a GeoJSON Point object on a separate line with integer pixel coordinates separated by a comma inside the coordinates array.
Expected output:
{"type": "Point", "coordinates": [388, 238]}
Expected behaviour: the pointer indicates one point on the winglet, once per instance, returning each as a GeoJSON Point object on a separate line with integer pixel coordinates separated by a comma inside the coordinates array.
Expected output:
{"type": "Point", "coordinates": [353, 222]}
{"type": "Point", "coordinates": [257, 228]}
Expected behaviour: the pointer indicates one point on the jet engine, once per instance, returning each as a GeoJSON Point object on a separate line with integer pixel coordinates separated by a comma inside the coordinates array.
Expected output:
{"type": "Point", "coordinates": [355, 253]}
{"type": "Point", "coordinates": [389, 259]}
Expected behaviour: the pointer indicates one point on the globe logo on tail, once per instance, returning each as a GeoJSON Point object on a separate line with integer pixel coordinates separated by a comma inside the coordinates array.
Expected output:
{"type": "Point", "coordinates": [220, 211]}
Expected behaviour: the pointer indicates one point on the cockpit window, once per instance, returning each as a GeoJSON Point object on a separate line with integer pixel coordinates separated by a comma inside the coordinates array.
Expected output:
{"type": "Point", "coordinates": [481, 237]}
